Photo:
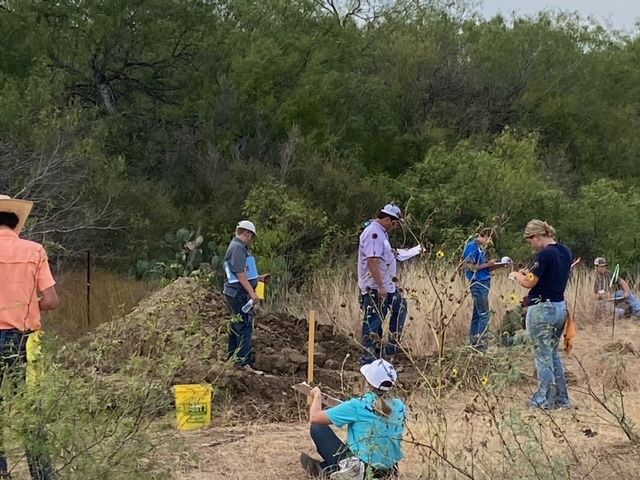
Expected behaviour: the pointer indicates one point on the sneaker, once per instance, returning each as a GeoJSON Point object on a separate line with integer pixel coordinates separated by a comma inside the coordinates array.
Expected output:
{"type": "Point", "coordinates": [311, 465]}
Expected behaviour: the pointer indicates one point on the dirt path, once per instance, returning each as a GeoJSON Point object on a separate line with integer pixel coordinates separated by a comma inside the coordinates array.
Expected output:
{"type": "Point", "coordinates": [271, 451]}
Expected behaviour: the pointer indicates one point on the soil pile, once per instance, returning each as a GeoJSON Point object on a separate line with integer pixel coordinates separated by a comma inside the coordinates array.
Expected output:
{"type": "Point", "coordinates": [179, 335]}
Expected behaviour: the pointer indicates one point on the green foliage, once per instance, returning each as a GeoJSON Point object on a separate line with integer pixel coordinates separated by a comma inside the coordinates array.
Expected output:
{"type": "Point", "coordinates": [469, 186]}
{"type": "Point", "coordinates": [602, 220]}
{"type": "Point", "coordinates": [290, 228]}
{"type": "Point", "coordinates": [174, 112]}
{"type": "Point", "coordinates": [186, 255]}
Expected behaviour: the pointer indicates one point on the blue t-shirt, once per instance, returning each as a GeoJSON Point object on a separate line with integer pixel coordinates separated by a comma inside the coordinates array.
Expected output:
{"type": "Point", "coordinates": [373, 438]}
{"type": "Point", "coordinates": [238, 259]}
{"type": "Point", "coordinates": [551, 265]}
{"type": "Point", "coordinates": [474, 253]}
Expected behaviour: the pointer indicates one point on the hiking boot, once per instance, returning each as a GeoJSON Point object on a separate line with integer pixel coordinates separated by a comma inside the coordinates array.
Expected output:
{"type": "Point", "coordinates": [311, 465]}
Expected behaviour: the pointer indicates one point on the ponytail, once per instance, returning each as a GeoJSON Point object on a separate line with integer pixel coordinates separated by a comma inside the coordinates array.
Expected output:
{"type": "Point", "coordinates": [383, 402]}
{"type": "Point", "coordinates": [539, 228]}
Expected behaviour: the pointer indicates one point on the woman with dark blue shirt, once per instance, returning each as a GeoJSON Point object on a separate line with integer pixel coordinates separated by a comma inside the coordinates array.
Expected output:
{"type": "Point", "coordinates": [547, 280]}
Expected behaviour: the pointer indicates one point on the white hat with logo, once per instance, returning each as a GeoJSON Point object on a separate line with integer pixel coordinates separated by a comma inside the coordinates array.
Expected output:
{"type": "Point", "coordinates": [379, 374]}
{"type": "Point", "coordinates": [247, 225]}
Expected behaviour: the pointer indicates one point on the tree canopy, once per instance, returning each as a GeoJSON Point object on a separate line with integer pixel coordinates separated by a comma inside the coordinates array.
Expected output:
{"type": "Point", "coordinates": [308, 116]}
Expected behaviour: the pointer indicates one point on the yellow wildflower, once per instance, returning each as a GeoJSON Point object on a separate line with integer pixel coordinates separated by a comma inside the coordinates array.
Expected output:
{"type": "Point", "coordinates": [513, 297]}
{"type": "Point", "coordinates": [440, 254]}
{"type": "Point", "coordinates": [485, 380]}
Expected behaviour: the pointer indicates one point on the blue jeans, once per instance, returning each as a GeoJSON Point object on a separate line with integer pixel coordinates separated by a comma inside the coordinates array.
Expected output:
{"type": "Point", "coordinates": [631, 300]}
{"type": "Point", "coordinates": [397, 319]}
{"type": "Point", "coordinates": [329, 446]}
{"type": "Point", "coordinates": [480, 317]}
{"type": "Point", "coordinates": [375, 311]}
{"type": "Point", "coordinates": [240, 329]}
{"type": "Point", "coordinates": [332, 450]}
{"type": "Point", "coordinates": [545, 323]}
{"type": "Point", "coordinates": [13, 361]}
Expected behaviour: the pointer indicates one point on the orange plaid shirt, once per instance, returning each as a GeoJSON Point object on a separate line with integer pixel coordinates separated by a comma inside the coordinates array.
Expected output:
{"type": "Point", "coordinates": [24, 272]}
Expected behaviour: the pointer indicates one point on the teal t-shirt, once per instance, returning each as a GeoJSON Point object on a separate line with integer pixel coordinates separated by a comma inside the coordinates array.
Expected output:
{"type": "Point", "coordinates": [373, 438]}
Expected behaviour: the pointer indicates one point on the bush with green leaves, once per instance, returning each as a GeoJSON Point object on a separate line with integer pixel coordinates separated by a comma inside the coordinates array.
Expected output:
{"type": "Point", "coordinates": [191, 257]}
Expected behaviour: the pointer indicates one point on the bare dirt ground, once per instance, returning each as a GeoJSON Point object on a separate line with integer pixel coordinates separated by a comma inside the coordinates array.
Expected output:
{"type": "Point", "coordinates": [587, 435]}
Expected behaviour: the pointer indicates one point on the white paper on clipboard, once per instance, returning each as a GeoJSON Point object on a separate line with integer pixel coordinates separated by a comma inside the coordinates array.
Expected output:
{"type": "Point", "coordinates": [403, 254]}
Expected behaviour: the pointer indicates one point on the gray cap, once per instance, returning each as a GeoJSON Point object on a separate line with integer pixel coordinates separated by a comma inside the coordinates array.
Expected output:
{"type": "Point", "coordinates": [600, 262]}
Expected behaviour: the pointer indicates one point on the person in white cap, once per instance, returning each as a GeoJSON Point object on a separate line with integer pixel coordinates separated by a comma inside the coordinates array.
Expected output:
{"type": "Point", "coordinates": [608, 286]}
{"type": "Point", "coordinates": [375, 425]}
{"type": "Point", "coordinates": [27, 288]}
{"type": "Point", "coordinates": [377, 267]}
{"type": "Point", "coordinates": [239, 289]}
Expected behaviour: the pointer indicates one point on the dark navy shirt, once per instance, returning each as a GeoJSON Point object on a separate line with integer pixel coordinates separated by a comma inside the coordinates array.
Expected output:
{"type": "Point", "coordinates": [551, 265]}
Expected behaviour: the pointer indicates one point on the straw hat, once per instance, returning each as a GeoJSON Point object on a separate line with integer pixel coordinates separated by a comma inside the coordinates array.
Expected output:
{"type": "Point", "coordinates": [21, 208]}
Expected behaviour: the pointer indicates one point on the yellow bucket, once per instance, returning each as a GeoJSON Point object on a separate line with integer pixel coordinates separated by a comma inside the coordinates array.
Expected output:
{"type": "Point", "coordinates": [193, 406]}
{"type": "Point", "coordinates": [260, 290]}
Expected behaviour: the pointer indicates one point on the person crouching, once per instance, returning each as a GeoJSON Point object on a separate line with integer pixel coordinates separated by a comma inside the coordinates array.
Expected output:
{"type": "Point", "coordinates": [375, 425]}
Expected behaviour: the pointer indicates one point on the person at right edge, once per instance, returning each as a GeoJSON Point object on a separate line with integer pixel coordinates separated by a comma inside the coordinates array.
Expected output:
{"type": "Point", "coordinates": [547, 313]}
{"type": "Point", "coordinates": [242, 279]}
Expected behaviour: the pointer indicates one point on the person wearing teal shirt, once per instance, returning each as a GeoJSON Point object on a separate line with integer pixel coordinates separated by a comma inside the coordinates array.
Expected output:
{"type": "Point", "coordinates": [375, 425]}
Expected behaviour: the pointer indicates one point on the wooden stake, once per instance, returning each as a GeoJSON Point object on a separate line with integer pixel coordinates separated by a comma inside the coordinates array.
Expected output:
{"type": "Point", "coordinates": [311, 349]}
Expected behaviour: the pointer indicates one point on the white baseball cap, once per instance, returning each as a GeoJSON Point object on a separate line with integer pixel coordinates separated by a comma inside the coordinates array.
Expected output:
{"type": "Point", "coordinates": [393, 210]}
{"type": "Point", "coordinates": [247, 225]}
{"type": "Point", "coordinates": [378, 372]}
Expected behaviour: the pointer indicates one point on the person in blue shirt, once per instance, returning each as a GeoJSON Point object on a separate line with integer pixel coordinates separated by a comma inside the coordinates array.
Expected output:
{"type": "Point", "coordinates": [375, 425]}
{"type": "Point", "coordinates": [547, 313]}
{"type": "Point", "coordinates": [478, 269]}
{"type": "Point", "coordinates": [240, 287]}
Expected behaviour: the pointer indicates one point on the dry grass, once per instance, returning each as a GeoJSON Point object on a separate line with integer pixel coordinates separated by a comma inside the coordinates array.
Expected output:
{"type": "Point", "coordinates": [112, 296]}
{"type": "Point", "coordinates": [586, 443]}
{"type": "Point", "coordinates": [431, 295]}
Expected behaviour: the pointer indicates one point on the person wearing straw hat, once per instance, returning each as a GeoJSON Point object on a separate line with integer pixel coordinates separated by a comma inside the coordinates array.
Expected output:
{"type": "Point", "coordinates": [240, 291]}
{"type": "Point", "coordinates": [377, 267]}
{"type": "Point", "coordinates": [608, 286]}
{"type": "Point", "coordinates": [27, 288]}
{"type": "Point", "coordinates": [375, 425]}
{"type": "Point", "coordinates": [547, 313]}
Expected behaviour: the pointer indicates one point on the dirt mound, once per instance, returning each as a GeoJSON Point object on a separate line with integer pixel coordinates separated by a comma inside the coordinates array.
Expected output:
{"type": "Point", "coordinates": [179, 335]}
{"type": "Point", "coordinates": [280, 343]}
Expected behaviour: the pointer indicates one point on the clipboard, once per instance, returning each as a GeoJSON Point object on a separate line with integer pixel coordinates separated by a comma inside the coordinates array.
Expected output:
{"type": "Point", "coordinates": [304, 388]}
{"type": "Point", "coordinates": [250, 269]}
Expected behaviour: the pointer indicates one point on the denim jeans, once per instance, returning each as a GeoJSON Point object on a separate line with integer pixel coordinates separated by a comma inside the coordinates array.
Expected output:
{"type": "Point", "coordinates": [13, 361]}
{"type": "Point", "coordinates": [375, 312]}
{"type": "Point", "coordinates": [480, 317]}
{"type": "Point", "coordinates": [545, 323]}
{"type": "Point", "coordinates": [240, 330]}
{"type": "Point", "coordinates": [332, 450]}
{"type": "Point", "coordinates": [397, 319]}
{"type": "Point", "coordinates": [631, 300]}
{"type": "Point", "coordinates": [329, 446]}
